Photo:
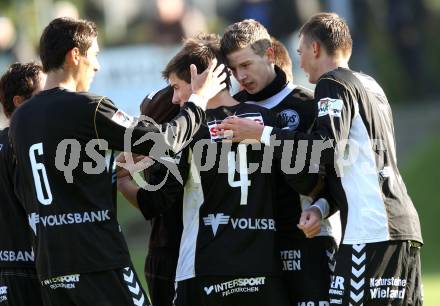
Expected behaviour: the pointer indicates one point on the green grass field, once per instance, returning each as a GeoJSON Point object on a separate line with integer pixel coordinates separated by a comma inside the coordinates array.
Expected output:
{"type": "Point", "coordinates": [431, 284]}
{"type": "Point", "coordinates": [422, 178]}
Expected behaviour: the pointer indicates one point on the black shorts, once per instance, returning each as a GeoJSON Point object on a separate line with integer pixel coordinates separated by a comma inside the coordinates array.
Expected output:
{"type": "Point", "coordinates": [119, 287]}
{"type": "Point", "coordinates": [19, 287]}
{"type": "Point", "coordinates": [160, 272]}
{"type": "Point", "coordinates": [381, 273]}
{"type": "Point", "coordinates": [231, 291]}
{"type": "Point", "coordinates": [307, 266]}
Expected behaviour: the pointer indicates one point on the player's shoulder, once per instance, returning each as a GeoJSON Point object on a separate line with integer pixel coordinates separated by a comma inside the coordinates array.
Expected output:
{"type": "Point", "coordinates": [92, 97]}
{"type": "Point", "coordinates": [338, 77]}
{"type": "Point", "coordinates": [302, 93]}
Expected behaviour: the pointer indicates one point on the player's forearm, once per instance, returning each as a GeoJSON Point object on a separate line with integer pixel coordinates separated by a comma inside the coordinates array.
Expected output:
{"type": "Point", "coordinates": [179, 132]}
{"type": "Point", "coordinates": [316, 147]}
{"type": "Point", "coordinates": [125, 133]}
{"type": "Point", "coordinates": [129, 190]}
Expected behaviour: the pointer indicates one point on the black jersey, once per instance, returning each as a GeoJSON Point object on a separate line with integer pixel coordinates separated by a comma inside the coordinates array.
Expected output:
{"type": "Point", "coordinates": [15, 238]}
{"type": "Point", "coordinates": [362, 175]}
{"type": "Point", "coordinates": [228, 212]}
{"type": "Point", "coordinates": [159, 206]}
{"type": "Point", "coordinates": [295, 110]}
{"type": "Point", "coordinates": [63, 142]}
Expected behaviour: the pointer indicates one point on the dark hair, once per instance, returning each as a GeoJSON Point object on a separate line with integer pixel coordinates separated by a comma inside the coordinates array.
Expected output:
{"type": "Point", "coordinates": [248, 32]}
{"type": "Point", "coordinates": [200, 51]}
{"type": "Point", "coordinates": [282, 58]}
{"type": "Point", "coordinates": [330, 30]}
{"type": "Point", "coordinates": [159, 105]}
{"type": "Point", "coordinates": [18, 80]}
{"type": "Point", "coordinates": [61, 36]}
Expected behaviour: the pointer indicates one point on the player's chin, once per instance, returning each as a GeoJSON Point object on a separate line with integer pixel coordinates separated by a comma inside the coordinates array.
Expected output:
{"type": "Point", "coordinates": [251, 88]}
{"type": "Point", "coordinates": [312, 79]}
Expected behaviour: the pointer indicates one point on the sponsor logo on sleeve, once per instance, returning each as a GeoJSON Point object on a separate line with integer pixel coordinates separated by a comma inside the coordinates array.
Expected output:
{"type": "Point", "coordinates": [331, 107]}
{"type": "Point", "coordinates": [122, 118]}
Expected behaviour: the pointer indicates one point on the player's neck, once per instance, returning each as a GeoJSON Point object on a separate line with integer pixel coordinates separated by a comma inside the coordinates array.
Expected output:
{"type": "Point", "coordinates": [331, 63]}
{"type": "Point", "coordinates": [223, 98]}
{"type": "Point", "coordinates": [59, 78]}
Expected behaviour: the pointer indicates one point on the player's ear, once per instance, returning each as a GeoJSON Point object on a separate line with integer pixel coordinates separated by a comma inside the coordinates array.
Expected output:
{"type": "Point", "coordinates": [17, 100]}
{"type": "Point", "coordinates": [73, 56]}
{"type": "Point", "coordinates": [270, 53]}
{"type": "Point", "coordinates": [316, 47]}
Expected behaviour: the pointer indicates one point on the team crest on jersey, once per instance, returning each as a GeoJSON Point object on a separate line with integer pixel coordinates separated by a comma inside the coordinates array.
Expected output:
{"type": "Point", "coordinates": [329, 106]}
{"type": "Point", "coordinates": [289, 118]}
{"type": "Point", "coordinates": [214, 132]}
{"type": "Point", "coordinates": [121, 118]}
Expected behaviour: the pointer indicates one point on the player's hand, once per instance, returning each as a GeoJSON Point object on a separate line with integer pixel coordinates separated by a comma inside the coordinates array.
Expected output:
{"type": "Point", "coordinates": [210, 82]}
{"type": "Point", "coordinates": [128, 163]}
{"type": "Point", "coordinates": [242, 129]}
{"type": "Point", "coordinates": [310, 222]}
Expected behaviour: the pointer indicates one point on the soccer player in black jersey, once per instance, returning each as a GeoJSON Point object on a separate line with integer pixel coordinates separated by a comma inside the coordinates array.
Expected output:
{"type": "Point", "coordinates": [251, 57]}
{"type": "Point", "coordinates": [166, 220]}
{"type": "Point", "coordinates": [19, 284]}
{"type": "Point", "coordinates": [63, 139]}
{"type": "Point", "coordinates": [378, 262]}
{"type": "Point", "coordinates": [227, 252]}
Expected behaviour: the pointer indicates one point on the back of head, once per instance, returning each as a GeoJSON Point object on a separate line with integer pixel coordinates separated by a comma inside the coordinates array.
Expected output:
{"type": "Point", "coordinates": [282, 58]}
{"type": "Point", "coordinates": [159, 106]}
{"type": "Point", "coordinates": [62, 35]}
{"type": "Point", "coordinates": [331, 31]}
{"type": "Point", "coordinates": [18, 80]}
{"type": "Point", "coordinates": [200, 51]}
{"type": "Point", "coordinates": [243, 34]}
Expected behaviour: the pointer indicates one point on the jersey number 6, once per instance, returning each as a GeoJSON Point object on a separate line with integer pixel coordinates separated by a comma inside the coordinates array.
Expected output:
{"type": "Point", "coordinates": [36, 169]}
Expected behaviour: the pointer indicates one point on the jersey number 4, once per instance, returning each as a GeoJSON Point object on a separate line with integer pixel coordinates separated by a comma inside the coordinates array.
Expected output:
{"type": "Point", "coordinates": [40, 175]}
{"type": "Point", "coordinates": [243, 183]}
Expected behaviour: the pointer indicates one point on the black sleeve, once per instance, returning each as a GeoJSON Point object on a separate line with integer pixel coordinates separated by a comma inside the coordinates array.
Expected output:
{"type": "Point", "coordinates": [125, 133]}
{"type": "Point", "coordinates": [154, 203]}
{"type": "Point", "coordinates": [336, 109]}
{"type": "Point", "coordinates": [333, 208]}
